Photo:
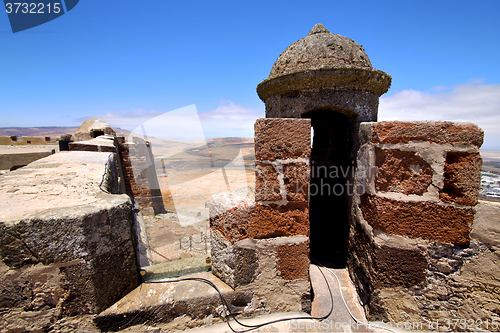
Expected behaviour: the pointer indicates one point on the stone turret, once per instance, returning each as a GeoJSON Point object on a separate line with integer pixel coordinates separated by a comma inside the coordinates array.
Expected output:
{"type": "Point", "coordinates": [92, 128]}
{"type": "Point", "coordinates": [323, 70]}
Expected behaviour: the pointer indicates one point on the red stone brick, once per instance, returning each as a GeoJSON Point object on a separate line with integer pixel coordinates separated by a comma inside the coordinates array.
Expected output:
{"type": "Point", "coordinates": [462, 178]}
{"type": "Point", "coordinates": [296, 178]}
{"type": "Point", "coordinates": [402, 172]}
{"type": "Point", "coordinates": [430, 131]}
{"type": "Point", "coordinates": [418, 219]}
{"type": "Point", "coordinates": [233, 224]}
{"type": "Point", "coordinates": [282, 138]}
{"type": "Point", "coordinates": [293, 261]}
{"type": "Point", "coordinates": [276, 221]}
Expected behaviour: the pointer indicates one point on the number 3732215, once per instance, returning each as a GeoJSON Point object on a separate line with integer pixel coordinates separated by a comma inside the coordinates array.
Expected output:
{"type": "Point", "coordinates": [32, 8]}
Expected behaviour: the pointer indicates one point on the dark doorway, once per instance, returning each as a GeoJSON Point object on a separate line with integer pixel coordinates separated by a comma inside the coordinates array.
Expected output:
{"type": "Point", "coordinates": [328, 204]}
{"type": "Point", "coordinates": [95, 134]}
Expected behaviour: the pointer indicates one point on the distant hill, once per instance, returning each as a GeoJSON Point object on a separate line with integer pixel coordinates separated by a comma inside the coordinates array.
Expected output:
{"type": "Point", "coordinates": [52, 131]}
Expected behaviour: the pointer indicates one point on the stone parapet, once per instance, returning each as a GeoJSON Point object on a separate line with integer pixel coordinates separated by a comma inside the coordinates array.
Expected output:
{"type": "Point", "coordinates": [260, 241]}
{"type": "Point", "coordinates": [66, 241]}
{"type": "Point", "coordinates": [26, 140]}
{"type": "Point", "coordinates": [416, 186]}
{"type": "Point", "coordinates": [139, 174]}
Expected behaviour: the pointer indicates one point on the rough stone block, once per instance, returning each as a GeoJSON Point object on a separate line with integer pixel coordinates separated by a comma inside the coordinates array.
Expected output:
{"type": "Point", "coordinates": [431, 131]}
{"type": "Point", "coordinates": [280, 138]}
{"type": "Point", "coordinates": [230, 213]}
{"type": "Point", "coordinates": [401, 171]}
{"type": "Point", "coordinates": [11, 159]}
{"type": "Point", "coordinates": [486, 226]}
{"type": "Point", "coordinates": [418, 219]}
{"type": "Point", "coordinates": [277, 221]}
{"type": "Point", "coordinates": [233, 223]}
{"type": "Point", "coordinates": [462, 178]}
{"type": "Point", "coordinates": [234, 265]}
{"type": "Point", "coordinates": [296, 180]}
{"type": "Point", "coordinates": [76, 237]}
{"type": "Point", "coordinates": [293, 261]}
{"type": "Point", "coordinates": [278, 290]}
{"type": "Point", "coordinates": [397, 267]}
{"type": "Point", "coordinates": [267, 184]}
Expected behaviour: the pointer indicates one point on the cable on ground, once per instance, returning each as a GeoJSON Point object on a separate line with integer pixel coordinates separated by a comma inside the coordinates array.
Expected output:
{"type": "Point", "coordinates": [230, 314]}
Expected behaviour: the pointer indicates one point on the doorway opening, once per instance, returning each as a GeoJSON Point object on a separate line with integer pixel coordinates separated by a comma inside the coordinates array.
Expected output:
{"type": "Point", "coordinates": [96, 133]}
{"type": "Point", "coordinates": [331, 168]}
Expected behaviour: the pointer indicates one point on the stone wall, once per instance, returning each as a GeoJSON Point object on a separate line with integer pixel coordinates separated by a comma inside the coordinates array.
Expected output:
{"type": "Point", "coordinates": [107, 144]}
{"type": "Point", "coordinates": [139, 174]}
{"type": "Point", "coordinates": [260, 243]}
{"type": "Point", "coordinates": [26, 140]}
{"type": "Point", "coordinates": [412, 252]}
{"type": "Point", "coordinates": [66, 241]}
{"type": "Point", "coordinates": [15, 158]}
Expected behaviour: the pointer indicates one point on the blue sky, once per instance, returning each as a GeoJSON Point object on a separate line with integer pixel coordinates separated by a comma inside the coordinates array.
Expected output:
{"type": "Point", "coordinates": [126, 61]}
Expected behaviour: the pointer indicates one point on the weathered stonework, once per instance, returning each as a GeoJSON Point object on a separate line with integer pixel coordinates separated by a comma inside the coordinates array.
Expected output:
{"type": "Point", "coordinates": [401, 171]}
{"type": "Point", "coordinates": [425, 220]}
{"type": "Point", "coordinates": [296, 180]}
{"type": "Point", "coordinates": [293, 261]}
{"type": "Point", "coordinates": [267, 184]}
{"type": "Point", "coordinates": [230, 215]}
{"type": "Point", "coordinates": [323, 71]}
{"type": "Point", "coordinates": [278, 221]}
{"type": "Point", "coordinates": [282, 139]}
{"type": "Point", "coordinates": [462, 178]}
{"type": "Point", "coordinates": [69, 251]}
{"type": "Point", "coordinates": [441, 132]}
{"type": "Point", "coordinates": [394, 269]}
{"type": "Point", "coordinates": [412, 229]}
{"type": "Point", "coordinates": [259, 243]}
{"type": "Point", "coordinates": [139, 173]}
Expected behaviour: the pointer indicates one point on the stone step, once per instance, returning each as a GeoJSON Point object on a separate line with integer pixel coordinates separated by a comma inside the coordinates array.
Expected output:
{"type": "Point", "coordinates": [165, 300]}
{"type": "Point", "coordinates": [159, 307]}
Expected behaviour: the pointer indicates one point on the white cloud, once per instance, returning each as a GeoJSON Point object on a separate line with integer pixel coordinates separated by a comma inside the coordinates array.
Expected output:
{"type": "Point", "coordinates": [474, 102]}
{"type": "Point", "coordinates": [125, 119]}
{"type": "Point", "coordinates": [229, 119]}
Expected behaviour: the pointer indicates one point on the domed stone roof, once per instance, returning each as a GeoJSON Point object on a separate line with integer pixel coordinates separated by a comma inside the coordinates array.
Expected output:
{"type": "Point", "coordinates": [321, 49]}
{"type": "Point", "coordinates": [323, 60]}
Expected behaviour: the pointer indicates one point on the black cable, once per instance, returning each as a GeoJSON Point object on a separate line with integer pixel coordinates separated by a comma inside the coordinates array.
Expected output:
{"type": "Point", "coordinates": [250, 327]}
{"type": "Point", "coordinates": [105, 173]}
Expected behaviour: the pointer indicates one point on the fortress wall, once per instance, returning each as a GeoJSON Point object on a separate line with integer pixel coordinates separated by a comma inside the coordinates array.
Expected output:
{"type": "Point", "coordinates": [139, 174]}
{"type": "Point", "coordinates": [260, 243]}
{"type": "Point", "coordinates": [26, 140]}
{"type": "Point", "coordinates": [66, 246]}
{"type": "Point", "coordinates": [411, 246]}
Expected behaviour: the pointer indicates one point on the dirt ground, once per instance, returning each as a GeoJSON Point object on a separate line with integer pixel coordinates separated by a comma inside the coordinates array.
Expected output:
{"type": "Point", "coordinates": [184, 230]}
